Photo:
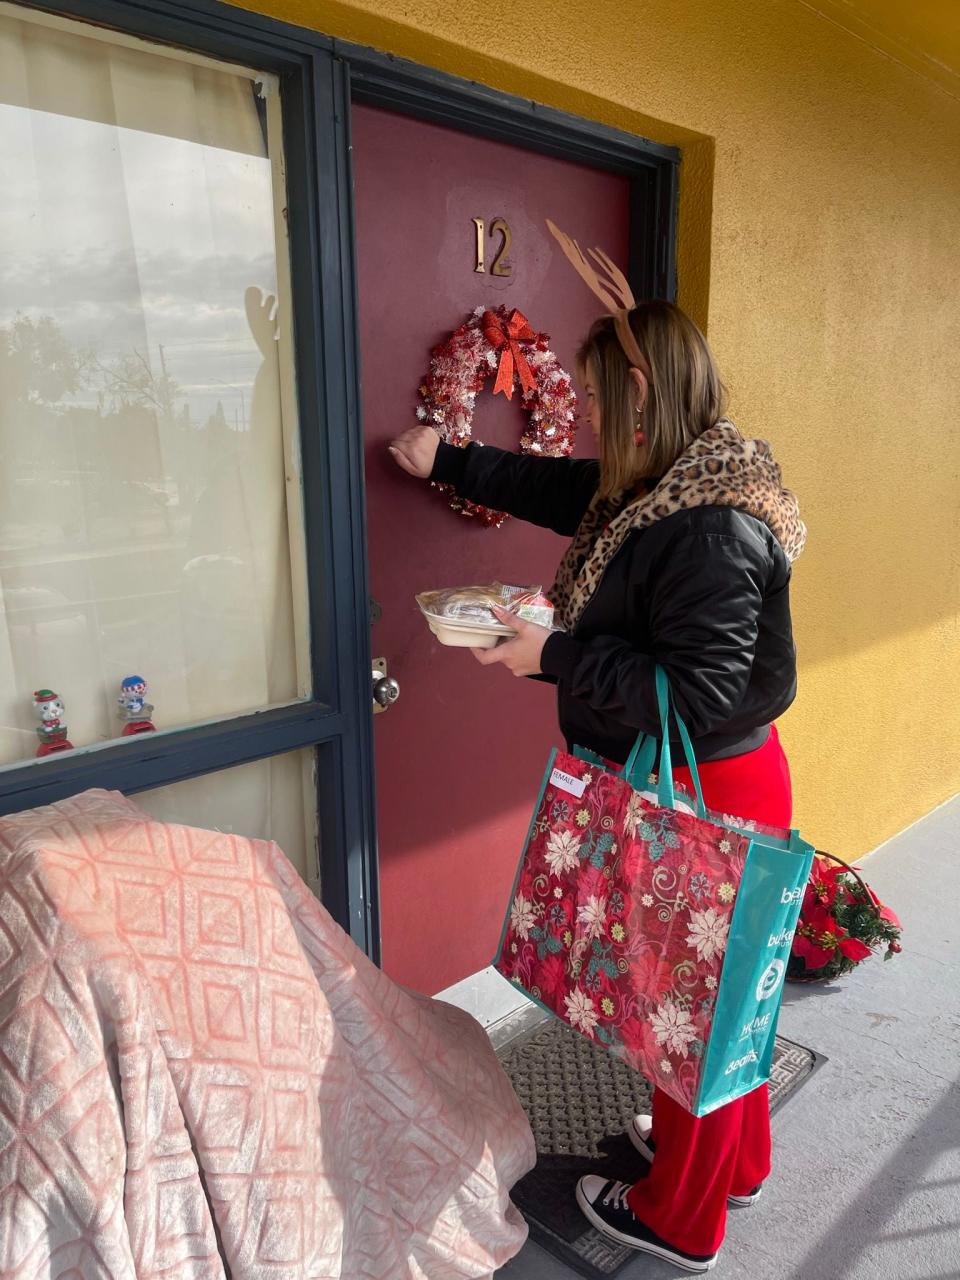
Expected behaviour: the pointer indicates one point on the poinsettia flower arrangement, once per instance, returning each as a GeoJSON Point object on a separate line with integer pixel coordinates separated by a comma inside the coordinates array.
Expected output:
{"type": "Point", "coordinates": [842, 922]}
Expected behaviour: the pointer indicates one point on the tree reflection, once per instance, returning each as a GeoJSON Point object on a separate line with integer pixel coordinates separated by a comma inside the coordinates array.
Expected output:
{"type": "Point", "coordinates": [92, 449]}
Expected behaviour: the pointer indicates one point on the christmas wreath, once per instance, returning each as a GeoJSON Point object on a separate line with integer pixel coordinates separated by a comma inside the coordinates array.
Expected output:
{"type": "Point", "coordinates": [841, 922]}
{"type": "Point", "coordinates": [503, 341]}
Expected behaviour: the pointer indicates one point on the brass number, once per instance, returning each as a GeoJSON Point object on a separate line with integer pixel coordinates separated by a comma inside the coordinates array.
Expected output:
{"type": "Point", "coordinates": [499, 267]}
{"type": "Point", "coordinates": [478, 223]}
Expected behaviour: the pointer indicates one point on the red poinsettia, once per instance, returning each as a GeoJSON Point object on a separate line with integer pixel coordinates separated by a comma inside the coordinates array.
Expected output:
{"type": "Point", "coordinates": [822, 886]}
{"type": "Point", "coordinates": [841, 921]}
{"type": "Point", "coordinates": [819, 938]}
{"type": "Point", "coordinates": [885, 912]}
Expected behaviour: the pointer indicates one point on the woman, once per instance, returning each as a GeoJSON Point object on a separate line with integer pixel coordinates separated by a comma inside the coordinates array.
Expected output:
{"type": "Point", "coordinates": [682, 542]}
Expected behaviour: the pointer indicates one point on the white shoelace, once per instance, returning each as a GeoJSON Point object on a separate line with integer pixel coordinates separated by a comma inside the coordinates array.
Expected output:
{"type": "Point", "coordinates": [617, 1196]}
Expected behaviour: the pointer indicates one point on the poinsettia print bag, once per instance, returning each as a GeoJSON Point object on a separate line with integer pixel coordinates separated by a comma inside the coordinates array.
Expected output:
{"type": "Point", "coordinates": [653, 926]}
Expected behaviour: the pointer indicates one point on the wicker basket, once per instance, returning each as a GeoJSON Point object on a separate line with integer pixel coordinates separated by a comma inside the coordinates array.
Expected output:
{"type": "Point", "coordinates": [797, 971]}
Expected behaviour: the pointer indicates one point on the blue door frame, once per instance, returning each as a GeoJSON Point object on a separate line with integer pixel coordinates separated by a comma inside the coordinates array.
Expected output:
{"type": "Point", "coordinates": [320, 77]}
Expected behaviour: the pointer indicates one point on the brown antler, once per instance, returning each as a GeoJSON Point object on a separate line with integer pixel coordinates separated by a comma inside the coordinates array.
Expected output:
{"type": "Point", "coordinates": [613, 292]}
{"type": "Point", "coordinates": [617, 278]}
{"type": "Point", "coordinates": [611, 287]}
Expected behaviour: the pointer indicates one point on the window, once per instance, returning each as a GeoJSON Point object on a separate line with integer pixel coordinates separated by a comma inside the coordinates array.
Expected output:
{"type": "Point", "coordinates": [269, 799]}
{"type": "Point", "coordinates": [151, 511]}
{"type": "Point", "coordinates": [150, 493]}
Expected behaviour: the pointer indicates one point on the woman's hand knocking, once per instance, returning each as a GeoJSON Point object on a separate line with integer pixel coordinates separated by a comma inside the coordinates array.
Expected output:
{"type": "Point", "coordinates": [415, 451]}
{"type": "Point", "coordinates": [521, 655]}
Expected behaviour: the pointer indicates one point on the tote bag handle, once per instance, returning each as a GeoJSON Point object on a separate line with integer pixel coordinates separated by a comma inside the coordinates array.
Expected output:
{"type": "Point", "coordinates": [640, 760]}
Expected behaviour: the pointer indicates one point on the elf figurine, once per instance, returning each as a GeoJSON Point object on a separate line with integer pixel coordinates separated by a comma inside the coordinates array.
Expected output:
{"type": "Point", "coordinates": [135, 711]}
{"type": "Point", "coordinates": [52, 730]}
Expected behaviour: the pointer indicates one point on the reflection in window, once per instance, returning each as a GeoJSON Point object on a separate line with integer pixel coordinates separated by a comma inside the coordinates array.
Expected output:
{"type": "Point", "coordinates": [144, 460]}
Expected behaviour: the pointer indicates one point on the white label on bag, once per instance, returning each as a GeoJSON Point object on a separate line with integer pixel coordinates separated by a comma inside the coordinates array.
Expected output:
{"type": "Point", "coordinates": [567, 782]}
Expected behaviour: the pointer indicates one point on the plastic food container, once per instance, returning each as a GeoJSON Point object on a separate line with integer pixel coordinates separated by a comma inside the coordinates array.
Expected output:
{"type": "Point", "coordinates": [463, 617]}
{"type": "Point", "coordinates": [464, 634]}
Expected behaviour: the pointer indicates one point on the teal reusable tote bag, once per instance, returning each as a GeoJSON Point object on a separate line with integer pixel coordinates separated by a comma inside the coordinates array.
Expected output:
{"type": "Point", "coordinates": [651, 925]}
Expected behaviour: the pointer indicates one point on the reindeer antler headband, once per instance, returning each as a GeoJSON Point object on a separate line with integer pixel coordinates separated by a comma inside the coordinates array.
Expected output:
{"type": "Point", "coordinates": [613, 290]}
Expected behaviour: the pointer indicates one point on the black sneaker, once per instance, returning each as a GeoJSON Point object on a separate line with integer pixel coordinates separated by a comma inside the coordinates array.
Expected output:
{"type": "Point", "coordinates": [639, 1135]}
{"type": "Point", "coordinates": [744, 1202]}
{"type": "Point", "coordinates": [604, 1203]}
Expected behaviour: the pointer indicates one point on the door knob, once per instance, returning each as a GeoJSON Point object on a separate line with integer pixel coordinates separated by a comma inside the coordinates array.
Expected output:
{"type": "Point", "coordinates": [386, 690]}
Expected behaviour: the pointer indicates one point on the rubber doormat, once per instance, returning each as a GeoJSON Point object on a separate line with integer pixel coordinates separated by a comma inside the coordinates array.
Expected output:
{"type": "Point", "coordinates": [579, 1100]}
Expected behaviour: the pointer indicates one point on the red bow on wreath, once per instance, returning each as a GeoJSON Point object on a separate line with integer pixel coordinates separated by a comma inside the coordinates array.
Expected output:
{"type": "Point", "coordinates": [506, 338]}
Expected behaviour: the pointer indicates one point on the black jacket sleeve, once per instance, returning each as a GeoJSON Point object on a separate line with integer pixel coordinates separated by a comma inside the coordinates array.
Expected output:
{"type": "Point", "coordinates": [703, 613]}
{"type": "Point", "coordinates": [551, 492]}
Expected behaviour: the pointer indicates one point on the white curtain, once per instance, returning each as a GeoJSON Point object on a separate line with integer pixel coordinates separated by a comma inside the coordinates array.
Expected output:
{"type": "Point", "coordinates": [272, 799]}
{"type": "Point", "coordinates": [143, 473]}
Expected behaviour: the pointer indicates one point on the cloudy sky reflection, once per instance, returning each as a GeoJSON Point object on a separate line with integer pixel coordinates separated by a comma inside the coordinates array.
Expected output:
{"type": "Point", "coordinates": [134, 241]}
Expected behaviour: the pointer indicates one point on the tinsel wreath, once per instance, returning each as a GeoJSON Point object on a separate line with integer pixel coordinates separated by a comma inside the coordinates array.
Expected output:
{"type": "Point", "coordinates": [498, 341]}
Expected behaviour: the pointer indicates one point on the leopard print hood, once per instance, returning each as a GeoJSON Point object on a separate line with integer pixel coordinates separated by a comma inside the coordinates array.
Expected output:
{"type": "Point", "coordinates": [720, 468]}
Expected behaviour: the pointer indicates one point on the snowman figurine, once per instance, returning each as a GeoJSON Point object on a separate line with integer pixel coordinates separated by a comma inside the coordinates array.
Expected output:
{"type": "Point", "coordinates": [135, 710]}
{"type": "Point", "coordinates": [52, 728]}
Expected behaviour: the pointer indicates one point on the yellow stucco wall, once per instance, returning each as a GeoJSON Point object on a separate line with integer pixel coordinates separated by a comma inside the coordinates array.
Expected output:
{"type": "Point", "coordinates": [818, 243]}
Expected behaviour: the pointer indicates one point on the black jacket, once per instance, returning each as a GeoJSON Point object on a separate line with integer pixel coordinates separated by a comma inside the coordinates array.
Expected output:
{"type": "Point", "coordinates": [704, 592]}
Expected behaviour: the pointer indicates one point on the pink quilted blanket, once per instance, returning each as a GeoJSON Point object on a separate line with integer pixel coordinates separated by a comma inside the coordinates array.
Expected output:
{"type": "Point", "coordinates": [201, 1076]}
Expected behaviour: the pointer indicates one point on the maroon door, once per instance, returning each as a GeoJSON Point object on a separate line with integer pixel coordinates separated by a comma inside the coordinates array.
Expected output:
{"type": "Point", "coordinates": [460, 755]}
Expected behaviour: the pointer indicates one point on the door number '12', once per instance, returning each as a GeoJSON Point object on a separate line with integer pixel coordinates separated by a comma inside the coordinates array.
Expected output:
{"type": "Point", "coordinates": [499, 267]}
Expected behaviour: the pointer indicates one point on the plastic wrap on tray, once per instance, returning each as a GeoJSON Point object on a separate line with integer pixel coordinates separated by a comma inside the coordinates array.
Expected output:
{"type": "Point", "coordinates": [475, 605]}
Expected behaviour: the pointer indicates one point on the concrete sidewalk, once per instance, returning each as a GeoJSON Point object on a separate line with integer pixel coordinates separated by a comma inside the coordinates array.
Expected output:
{"type": "Point", "coordinates": [866, 1181]}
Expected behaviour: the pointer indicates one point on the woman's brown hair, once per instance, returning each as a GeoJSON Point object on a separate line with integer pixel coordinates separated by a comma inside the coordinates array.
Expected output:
{"type": "Point", "coordinates": [685, 396]}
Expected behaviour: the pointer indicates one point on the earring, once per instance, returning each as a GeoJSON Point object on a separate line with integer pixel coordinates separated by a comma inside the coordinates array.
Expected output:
{"type": "Point", "coordinates": [638, 435]}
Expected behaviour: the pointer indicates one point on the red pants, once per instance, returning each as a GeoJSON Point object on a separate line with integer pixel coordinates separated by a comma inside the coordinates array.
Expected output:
{"type": "Point", "coordinates": [700, 1162]}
